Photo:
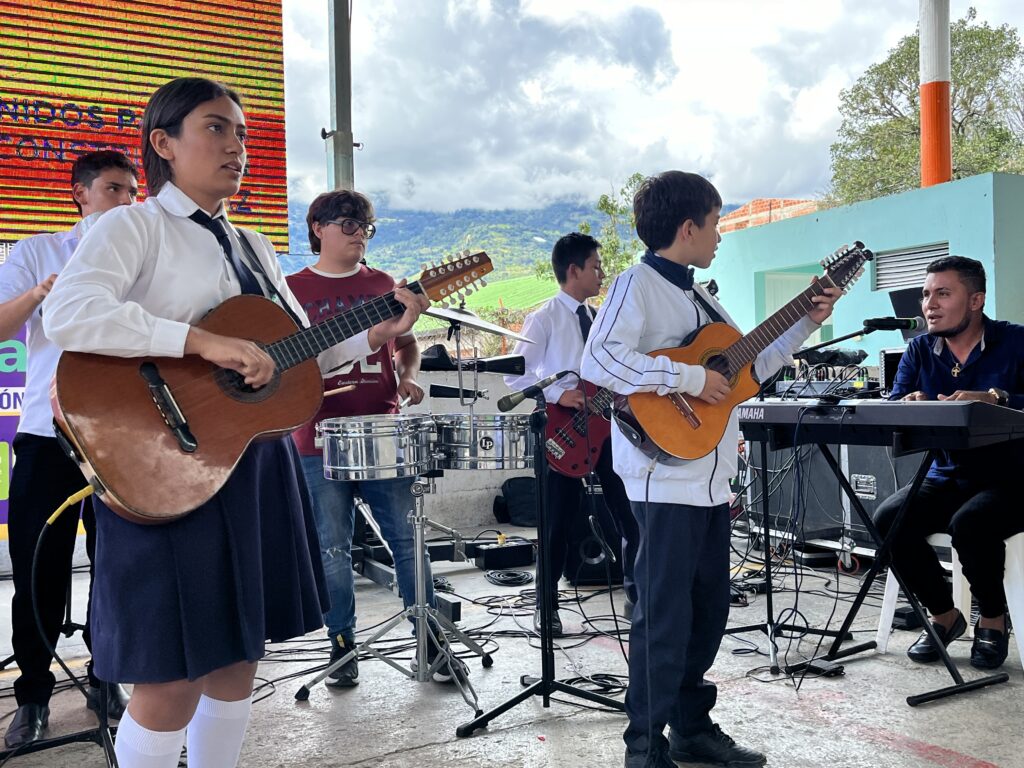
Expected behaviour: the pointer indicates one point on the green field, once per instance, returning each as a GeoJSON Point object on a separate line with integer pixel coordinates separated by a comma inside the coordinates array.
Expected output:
{"type": "Point", "coordinates": [517, 293]}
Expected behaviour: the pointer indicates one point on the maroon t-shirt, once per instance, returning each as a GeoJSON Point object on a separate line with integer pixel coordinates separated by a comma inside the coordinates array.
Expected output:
{"type": "Point", "coordinates": [376, 388]}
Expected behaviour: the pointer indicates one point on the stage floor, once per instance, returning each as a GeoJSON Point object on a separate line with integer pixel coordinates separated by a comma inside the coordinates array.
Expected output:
{"type": "Point", "coordinates": [858, 720]}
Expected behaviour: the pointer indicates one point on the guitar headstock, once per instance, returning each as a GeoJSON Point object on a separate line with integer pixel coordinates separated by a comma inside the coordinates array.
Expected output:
{"type": "Point", "coordinates": [845, 265]}
{"type": "Point", "coordinates": [450, 280]}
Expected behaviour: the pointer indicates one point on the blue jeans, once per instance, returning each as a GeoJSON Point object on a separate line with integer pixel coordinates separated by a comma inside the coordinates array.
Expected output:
{"type": "Point", "coordinates": [335, 512]}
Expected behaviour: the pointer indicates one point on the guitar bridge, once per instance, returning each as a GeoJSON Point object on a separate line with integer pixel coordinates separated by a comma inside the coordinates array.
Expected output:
{"type": "Point", "coordinates": [168, 407]}
{"type": "Point", "coordinates": [685, 409]}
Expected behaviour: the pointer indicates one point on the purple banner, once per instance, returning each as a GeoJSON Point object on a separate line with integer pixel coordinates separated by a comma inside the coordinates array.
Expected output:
{"type": "Point", "coordinates": [13, 358]}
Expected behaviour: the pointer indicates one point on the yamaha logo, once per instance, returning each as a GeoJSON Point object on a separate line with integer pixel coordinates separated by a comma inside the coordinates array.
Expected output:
{"type": "Point", "coordinates": [751, 413]}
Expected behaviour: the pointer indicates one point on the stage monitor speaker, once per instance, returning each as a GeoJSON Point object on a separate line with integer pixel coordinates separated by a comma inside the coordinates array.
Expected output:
{"type": "Point", "coordinates": [585, 562]}
{"type": "Point", "coordinates": [812, 511]}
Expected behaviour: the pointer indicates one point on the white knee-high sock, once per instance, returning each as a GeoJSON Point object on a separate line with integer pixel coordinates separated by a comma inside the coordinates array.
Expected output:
{"type": "Point", "coordinates": [216, 732]}
{"type": "Point", "coordinates": [138, 747]}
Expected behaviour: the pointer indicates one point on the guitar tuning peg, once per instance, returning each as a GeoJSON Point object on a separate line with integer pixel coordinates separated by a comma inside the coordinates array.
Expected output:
{"type": "Point", "coordinates": [469, 290]}
{"type": "Point", "coordinates": [483, 283]}
{"type": "Point", "coordinates": [465, 253]}
{"type": "Point", "coordinates": [424, 267]}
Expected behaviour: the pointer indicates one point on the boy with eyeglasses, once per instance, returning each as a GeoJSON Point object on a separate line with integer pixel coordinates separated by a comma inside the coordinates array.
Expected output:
{"type": "Point", "coordinates": [340, 224]}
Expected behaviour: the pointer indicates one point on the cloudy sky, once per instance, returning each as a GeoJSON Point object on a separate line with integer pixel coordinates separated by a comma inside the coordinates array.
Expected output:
{"type": "Point", "coordinates": [516, 103]}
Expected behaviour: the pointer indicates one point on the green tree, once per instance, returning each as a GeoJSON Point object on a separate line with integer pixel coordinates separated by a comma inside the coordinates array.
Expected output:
{"type": "Point", "coordinates": [878, 148]}
{"type": "Point", "coordinates": [619, 243]}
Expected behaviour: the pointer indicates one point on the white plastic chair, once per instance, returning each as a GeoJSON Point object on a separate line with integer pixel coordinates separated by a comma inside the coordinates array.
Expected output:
{"type": "Point", "coordinates": [1013, 584]}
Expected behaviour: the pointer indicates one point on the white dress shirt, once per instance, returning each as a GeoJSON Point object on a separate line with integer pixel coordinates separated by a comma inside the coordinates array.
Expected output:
{"type": "Point", "coordinates": [32, 261]}
{"type": "Point", "coordinates": [644, 312]}
{"type": "Point", "coordinates": [554, 329]}
{"type": "Point", "coordinates": [144, 274]}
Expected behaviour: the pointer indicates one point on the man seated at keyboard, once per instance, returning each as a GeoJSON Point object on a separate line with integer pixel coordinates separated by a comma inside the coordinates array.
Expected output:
{"type": "Point", "coordinates": [971, 495]}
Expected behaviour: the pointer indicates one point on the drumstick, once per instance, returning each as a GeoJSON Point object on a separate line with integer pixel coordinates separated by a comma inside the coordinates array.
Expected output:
{"type": "Point", "coordinates": [339, 390]}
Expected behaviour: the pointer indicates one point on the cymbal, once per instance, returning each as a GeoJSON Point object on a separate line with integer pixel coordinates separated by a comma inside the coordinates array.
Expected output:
{"type": "Point", "coordinates": [467, 318]}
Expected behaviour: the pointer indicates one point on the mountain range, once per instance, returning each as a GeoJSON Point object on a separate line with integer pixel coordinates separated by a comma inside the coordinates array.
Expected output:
{"type": "Point", "coordinates": [406, 239]}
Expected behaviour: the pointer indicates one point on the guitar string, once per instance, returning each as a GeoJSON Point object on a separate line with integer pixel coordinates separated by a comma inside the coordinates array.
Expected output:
{"type": "Point", "coordinates": [299, 346]}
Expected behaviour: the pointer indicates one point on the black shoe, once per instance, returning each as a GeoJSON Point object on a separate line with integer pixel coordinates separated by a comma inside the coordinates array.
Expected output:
{"type": "Point", "coordinates": [990, 647]}
{"type": "Point", "coordinates": [451, 669]}
{"type": "Point", "coordinates": [117, 700]}
{"type": "Point", "coordinates": [645, 760]}
{"type": "Point", "coordinates": [924, 650]}
{"type": "Point", "coordinates": [27, 726]}
{"type": "Point", "coordinates": [556, 623]}
{"type": "Point", "coordinates": [347, 675]}
{"type": "Point", "coordinates": [713, 747]}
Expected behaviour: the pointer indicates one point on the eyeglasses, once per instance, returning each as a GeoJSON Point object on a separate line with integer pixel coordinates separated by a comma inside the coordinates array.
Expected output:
{"type": "Point", "coordinates": [351, 226]}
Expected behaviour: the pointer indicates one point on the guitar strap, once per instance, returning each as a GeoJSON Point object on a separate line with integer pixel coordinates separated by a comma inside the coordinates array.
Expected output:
{"type": "Point", "coordinates": [714, 314]}
{"type": "Point", "coordinates": [257, 266]}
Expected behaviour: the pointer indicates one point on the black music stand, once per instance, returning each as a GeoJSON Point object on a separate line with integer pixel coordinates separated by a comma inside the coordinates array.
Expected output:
{"type": "Point", "coordinates": [770, 626]}
{"type": "Point", "coordinates": [546, 684]}
{"type": "Point", "coordinates": [884, 545]}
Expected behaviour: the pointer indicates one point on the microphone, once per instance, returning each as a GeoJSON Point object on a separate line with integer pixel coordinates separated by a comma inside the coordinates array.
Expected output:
{"type": "Point", "coordinates": [510, 401]}
{"type": "Point", "coordinates": [896, 323]}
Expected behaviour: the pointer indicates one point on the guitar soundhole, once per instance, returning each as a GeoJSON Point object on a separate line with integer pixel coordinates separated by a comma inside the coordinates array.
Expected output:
{"type": "Point", "coordinates": [233, 385]}
{"type": "Point", "coordinates": [720, 364]}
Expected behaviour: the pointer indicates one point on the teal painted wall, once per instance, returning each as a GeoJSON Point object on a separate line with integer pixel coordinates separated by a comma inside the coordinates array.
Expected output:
{"type": "Point", "coordinates": [961, 212]}
{"type": "Point", "coordinates": [1008, 237]}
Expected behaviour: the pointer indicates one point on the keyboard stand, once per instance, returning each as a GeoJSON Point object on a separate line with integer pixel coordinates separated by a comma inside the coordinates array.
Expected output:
{"type": "Point", "coordinates": [836, 651]}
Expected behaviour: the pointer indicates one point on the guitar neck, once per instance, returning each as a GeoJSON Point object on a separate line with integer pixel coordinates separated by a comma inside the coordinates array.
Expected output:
{"type": "Point", "coordinates": [746, 350]}
{"type": "Point", "coordinates": [599, 403]}
{"type": "Point", "coordinates": [310, 342]}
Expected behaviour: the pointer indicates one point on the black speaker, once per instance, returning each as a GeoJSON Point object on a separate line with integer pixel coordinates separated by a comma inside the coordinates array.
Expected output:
{"type": "Point", "coordinates": [818, 508]}
{"type": "Point", "coordinates": [586, 563]}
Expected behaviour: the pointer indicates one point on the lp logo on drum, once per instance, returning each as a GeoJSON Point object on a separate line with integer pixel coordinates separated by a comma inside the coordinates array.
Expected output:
{"type": "Point", "coordinates": [487, 442]}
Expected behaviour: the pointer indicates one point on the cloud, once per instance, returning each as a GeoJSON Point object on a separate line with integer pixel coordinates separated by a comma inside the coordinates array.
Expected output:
{"type": "Point", "coordinates": [517, 103]}
{"type": "Point", "coordinates": [470, 107]}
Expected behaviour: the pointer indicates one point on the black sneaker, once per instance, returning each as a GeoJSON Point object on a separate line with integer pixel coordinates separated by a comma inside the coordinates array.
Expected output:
{"type": "Point", "coordinates": [990, 647]}
{"type": "Point", "coordinates": [347, 675]}
{"type": "Point", "coordinates": [556, 623]}
{"type": "Point", "coordinates": [713, 747]}
{"type": "Point", "coordinates": [924, 650]}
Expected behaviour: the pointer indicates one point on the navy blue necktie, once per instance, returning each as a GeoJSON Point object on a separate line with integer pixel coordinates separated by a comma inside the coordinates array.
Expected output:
{"type": "Point", "coordinates": [585, 320]}
{"type": "Point", "coordinates": [245, 276]}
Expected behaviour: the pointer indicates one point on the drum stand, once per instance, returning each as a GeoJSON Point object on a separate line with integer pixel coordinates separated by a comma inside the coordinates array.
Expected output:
{"type": "Point", "coordinates": [426, 619]}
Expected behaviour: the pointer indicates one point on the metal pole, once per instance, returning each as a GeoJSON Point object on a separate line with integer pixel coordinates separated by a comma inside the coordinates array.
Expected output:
{"type": "Point", "coordinates": [936, 123]}
{"type": "Point", "coordinates": [340, 172]}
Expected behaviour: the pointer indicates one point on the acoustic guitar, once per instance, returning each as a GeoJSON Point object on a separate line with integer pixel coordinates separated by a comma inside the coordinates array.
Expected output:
{"type": "Point", "coordinates": [573, 438]}
{"type": "Point", "coordinates": [158, 437]}
{"type": "Point", "coordinates": [681, 426]}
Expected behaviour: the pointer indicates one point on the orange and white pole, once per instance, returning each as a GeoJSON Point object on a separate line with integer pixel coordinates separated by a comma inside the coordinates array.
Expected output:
{"type": "Point", "coordinates": [936, 123]}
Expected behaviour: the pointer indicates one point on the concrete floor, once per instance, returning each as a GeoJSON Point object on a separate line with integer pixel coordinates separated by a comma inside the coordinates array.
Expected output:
{"type": "Point", "coordinates": [859, 720]}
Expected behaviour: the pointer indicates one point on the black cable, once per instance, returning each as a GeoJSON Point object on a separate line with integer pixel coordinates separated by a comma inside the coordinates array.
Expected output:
{"type": "Point", "coordinates": [509, 578]}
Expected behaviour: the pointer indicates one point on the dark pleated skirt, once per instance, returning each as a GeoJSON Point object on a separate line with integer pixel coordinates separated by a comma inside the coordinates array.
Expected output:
{"type": "Point", "coordinates": [177, 601]}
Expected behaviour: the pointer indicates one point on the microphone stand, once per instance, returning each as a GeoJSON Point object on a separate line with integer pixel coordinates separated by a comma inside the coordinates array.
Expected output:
{"type": "Point", "coordinates": [815, 347]}
{"type": "Point", "coordinates": [546, 684]}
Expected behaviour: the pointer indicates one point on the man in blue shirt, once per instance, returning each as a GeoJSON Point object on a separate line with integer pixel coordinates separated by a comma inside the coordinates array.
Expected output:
{"type": "Point", "coordinates": [968, 494]}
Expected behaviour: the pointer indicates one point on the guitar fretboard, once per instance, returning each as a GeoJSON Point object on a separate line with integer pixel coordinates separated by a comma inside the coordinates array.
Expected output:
{"type": "Point", "coordinates": [746, 349]}
{"type": "Point", "coordinates": [310, 342]}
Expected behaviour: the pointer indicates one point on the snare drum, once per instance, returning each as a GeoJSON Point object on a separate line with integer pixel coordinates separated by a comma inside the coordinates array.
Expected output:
{"type": "Point", "coordinates": [485, 441]}
{"type": "Point", "coordinates": [381, 447]}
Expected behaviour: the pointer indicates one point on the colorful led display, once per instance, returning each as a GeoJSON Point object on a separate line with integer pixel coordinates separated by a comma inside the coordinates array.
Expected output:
{"type": "Point", "coordinates": [75, 77]}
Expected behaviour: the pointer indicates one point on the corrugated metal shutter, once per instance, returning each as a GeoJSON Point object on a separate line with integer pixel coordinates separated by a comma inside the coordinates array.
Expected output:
{"type": "Point", "coordinates": [905, 268]}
